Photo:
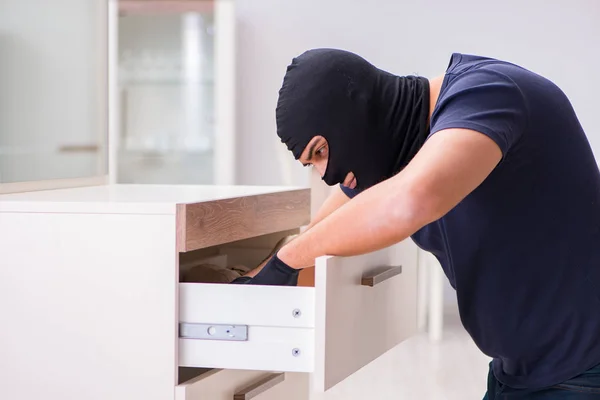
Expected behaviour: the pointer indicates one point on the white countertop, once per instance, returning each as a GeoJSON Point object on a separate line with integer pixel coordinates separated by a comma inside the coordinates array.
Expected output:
{"type": "Point", "coordinates": [126, 199]}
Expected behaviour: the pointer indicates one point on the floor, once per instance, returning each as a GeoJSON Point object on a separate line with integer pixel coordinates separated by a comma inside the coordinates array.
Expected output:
{"type": "Point", "coordinates": [453, 369]}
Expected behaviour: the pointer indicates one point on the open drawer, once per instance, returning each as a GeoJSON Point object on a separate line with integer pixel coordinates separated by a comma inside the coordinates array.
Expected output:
{"type": "Point", "coordinates": [359, 308]}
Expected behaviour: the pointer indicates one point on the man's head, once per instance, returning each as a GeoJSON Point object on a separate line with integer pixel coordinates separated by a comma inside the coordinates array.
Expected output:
{"type": "Point", "coordinates": [323, 112]}
{"type": "Point", "coordinates": [344, 116]}
{"type": "Point", "coordinates": [316, 153]}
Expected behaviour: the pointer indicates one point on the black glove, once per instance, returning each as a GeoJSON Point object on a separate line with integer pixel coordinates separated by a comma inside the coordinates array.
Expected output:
{"type": "Point", "coordinates": [275, 272]}
{"type": "Point", "coordinates": [241, 280]}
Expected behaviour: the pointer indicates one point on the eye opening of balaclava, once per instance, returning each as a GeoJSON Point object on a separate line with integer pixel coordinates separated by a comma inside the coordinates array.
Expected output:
{"type": "Point", "coordinates": [374, 122]}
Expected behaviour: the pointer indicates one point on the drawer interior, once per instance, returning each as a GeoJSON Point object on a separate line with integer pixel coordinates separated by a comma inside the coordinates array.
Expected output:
{"type": "Point", "coordinates": [206, 265]}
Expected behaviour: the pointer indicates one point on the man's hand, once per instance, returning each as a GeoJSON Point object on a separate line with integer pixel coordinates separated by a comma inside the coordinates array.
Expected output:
{"type": "Point", "coordinates": [274, 251]}
{"type": "Point", "coordinates": [275, 272]}
{"type": "Point", "coordinates": [449, 166]}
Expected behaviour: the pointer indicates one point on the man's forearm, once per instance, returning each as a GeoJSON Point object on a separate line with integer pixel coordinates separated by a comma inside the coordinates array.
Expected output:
{"type": "Point", "coordinates": [374, 220]}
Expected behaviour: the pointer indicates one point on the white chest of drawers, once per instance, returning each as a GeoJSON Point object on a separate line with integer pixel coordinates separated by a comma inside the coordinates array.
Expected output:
{"type": "Point", "coordinates": [92, 305]}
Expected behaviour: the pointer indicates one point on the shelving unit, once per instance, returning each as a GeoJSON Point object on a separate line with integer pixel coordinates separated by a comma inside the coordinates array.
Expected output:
{"type": "Point", "coordinates": [175, 101]}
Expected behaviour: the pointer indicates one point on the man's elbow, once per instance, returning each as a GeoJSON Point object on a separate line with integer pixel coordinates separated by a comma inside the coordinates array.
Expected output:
{"type": "Point", "coordinates": [415, 209]}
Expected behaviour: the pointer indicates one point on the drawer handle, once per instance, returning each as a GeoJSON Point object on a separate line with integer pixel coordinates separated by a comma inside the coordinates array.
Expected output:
{"type": "Point", "coordinates": [380, 275]}
{"type": "Point", "coordinates": [259, 387]}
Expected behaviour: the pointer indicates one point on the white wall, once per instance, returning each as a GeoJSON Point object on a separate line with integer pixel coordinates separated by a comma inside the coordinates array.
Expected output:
{"type": "Point", "coordinates": [560, 40]}
{"type": "Point", "coordinates": [52, 88]}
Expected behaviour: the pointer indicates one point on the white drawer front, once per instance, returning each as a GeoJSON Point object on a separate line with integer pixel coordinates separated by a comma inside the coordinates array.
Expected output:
{"type": "Point", "coordinates": [355, 323]}
{"type": "Point", "coordinates": [331, 330]}
{"type": "Point", "coordinates": [247, 305]}
{"type": "Point", "coordinates": [267, 348]}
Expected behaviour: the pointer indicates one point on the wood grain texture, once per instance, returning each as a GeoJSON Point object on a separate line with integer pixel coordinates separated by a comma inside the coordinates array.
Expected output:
{"type": "Point", "coordinates": [307, 277]}
{"type": "Point", "coordinates": [180, 218]}
{"type": "Point", "coordinates": [259, 387]}
{"type": "Point", "coordinates": [216, 222]}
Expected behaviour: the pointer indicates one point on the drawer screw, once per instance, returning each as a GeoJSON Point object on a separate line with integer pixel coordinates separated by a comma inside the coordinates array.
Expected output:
{"type": "Point", "coordinates": [297, 313]}
{"type": "Point", "coordinates": [296, 352]}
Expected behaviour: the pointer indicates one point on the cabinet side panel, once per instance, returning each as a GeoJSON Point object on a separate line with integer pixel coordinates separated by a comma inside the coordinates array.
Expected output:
{"type": "Point", "coordinates": [88, 306]}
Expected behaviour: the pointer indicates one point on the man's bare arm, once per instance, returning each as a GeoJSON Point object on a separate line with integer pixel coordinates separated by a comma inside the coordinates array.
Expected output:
{"type": "Point", "coordinates": [334, 201]}
{"type": "Point", "coordinates": [451, 164]}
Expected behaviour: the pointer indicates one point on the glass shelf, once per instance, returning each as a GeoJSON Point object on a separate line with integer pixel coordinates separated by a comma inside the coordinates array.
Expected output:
{"type": "Point", "coordinates": [167, 96]}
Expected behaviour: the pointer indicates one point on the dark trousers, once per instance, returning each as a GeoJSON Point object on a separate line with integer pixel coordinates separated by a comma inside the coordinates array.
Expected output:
{"type": "Point", "coordinates": [583, 387]}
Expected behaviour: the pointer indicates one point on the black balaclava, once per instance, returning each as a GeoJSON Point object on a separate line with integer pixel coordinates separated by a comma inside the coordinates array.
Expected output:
{"type": "Point", "coordinates": [374, 122]}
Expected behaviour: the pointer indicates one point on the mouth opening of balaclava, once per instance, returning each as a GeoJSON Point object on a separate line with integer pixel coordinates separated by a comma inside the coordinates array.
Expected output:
{"type": "Point", "coordinates": [374, 121]}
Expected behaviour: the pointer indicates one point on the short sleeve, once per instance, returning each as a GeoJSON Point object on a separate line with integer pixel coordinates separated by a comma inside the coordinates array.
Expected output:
{"type": "Point", "coordinates": [486, 101]}
{"type": "Point", "coordinates": [349, 192]}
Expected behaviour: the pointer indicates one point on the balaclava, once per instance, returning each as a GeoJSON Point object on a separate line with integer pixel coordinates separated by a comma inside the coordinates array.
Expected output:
{"type": "Point", "coordinates": [374, 121]}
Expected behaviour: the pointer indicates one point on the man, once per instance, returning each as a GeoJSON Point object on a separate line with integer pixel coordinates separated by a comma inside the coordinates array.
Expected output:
{"type": "Point", "coordinates": [486, 167]}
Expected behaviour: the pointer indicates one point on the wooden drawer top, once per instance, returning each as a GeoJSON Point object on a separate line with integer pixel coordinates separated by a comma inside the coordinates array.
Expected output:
{"type": "Point", "coordinates": [212, 223]}
{"type": "Point", "coordinates": [155, 199]}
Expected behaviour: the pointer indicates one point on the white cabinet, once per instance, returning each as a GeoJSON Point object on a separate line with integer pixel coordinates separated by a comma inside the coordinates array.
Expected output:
{"type": "Point", "coordinates": [93, 306]}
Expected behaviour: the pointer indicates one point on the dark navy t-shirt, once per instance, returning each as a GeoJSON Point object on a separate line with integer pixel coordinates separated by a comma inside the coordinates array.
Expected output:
{"type": "Point", "coordinates": [523, 249]}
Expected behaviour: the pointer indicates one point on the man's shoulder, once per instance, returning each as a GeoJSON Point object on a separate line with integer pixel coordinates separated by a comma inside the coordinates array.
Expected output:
{"type": "Point", "coordinates": [461, 63]}
{"type": "Point", "coordinates": [480, 94]}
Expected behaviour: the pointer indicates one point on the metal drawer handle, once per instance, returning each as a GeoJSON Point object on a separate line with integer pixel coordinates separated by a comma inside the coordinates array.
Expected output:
{"type": "Point", "coordinates": [380, 275]}
{"type": "Point", "coordinates": [259, 387]}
